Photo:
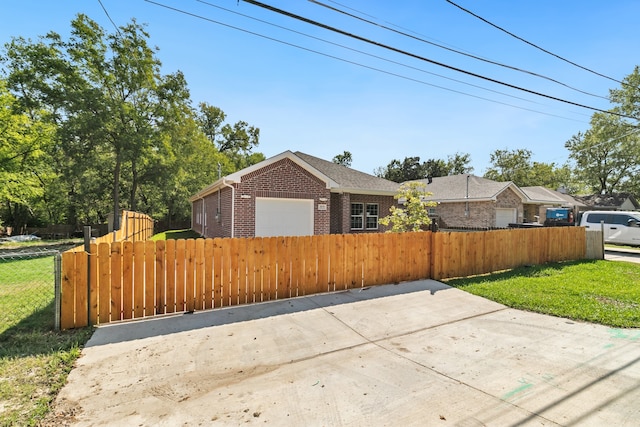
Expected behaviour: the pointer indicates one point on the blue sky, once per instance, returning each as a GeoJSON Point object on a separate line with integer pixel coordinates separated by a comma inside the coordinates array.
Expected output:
{"type": "Point", "coordinates": [377, 109]}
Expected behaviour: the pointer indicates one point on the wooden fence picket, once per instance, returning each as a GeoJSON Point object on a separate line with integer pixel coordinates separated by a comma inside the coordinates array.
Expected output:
{"type": "Point", "coordinates": [170, 276]}
{"type": "Point", "coordinates": [127, 280]}
{"type": "Point", "coordinates": [134, 279]}
{"type": "Point", "coordinates": [160, 283]}
{"type": "Point", "coordinates": [208, 274]}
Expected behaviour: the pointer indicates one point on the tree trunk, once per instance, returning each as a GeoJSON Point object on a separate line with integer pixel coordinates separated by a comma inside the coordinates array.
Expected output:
{"type": "Point", "coordinates": [116, 192]}
{"type": "Point", "coordinates": [134, 186]}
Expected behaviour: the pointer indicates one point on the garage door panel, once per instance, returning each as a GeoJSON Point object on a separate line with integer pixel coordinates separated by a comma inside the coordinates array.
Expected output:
{"type": "Point", "coordinates": [283, 217]}
{"type": "Point", "coordinates": [505, 216]}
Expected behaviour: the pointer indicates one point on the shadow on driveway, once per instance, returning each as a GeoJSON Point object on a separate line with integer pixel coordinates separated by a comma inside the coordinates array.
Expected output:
{"type": "Point", "coordinates": [181, 322]}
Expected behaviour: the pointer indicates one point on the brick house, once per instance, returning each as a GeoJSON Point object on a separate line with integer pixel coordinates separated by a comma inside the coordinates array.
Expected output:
{"type": "Point", "coordinates": [469, 201]}
{"type": "Point", "coordinates": [541, 198]}
{"type": "Point", "coordinates": [292, 194]}
{"type": "Point", "coordinates": [614, 202]}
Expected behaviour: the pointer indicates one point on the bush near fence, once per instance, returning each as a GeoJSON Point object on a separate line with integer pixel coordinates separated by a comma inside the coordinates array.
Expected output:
{"type": "Point", "coordinates": [129, 280]}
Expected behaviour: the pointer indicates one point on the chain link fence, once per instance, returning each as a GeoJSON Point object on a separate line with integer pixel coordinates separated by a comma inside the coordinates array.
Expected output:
{"type": "Point", "coordinates": [29, 283]}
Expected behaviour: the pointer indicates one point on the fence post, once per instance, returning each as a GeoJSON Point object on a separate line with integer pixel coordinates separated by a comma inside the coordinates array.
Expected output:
{"type": "Point", "coordinates": [57, 275]}
{"type": "Point", "coordinates": [87, 249]}
{"type": "Point", "coordinates": [602, 231]}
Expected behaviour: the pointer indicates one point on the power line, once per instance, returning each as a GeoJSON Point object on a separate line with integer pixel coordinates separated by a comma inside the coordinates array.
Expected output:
{"type": "Point", "coordinates": [364, 53]}
{"type": "Point", "coordinates": [521, 70]}
{"type": "Point", "coordinates": [109, 16]}
{"type": "Point", "coordinates": [352, 62]}
{"type": "Point", "coordinates": [422, 58]}
{"type": "Point", "coordinates": [532, 44]}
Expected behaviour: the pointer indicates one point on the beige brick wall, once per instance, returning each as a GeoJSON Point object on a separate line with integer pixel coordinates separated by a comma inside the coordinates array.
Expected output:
{"type": "Point", "coordinates": [480, 214]}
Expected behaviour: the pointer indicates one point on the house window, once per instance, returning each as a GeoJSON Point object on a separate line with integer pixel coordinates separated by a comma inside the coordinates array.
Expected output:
{"type": "Point", "coordinates": [357, 216]}
{"type": "Point", "coordinates": [364, 216]}
{"type": "Point", "coordinates": [372, 216]}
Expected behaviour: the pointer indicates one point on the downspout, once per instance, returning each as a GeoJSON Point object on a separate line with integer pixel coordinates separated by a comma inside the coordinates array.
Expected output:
{"type": "Point", "coordinates": [466, 208]}
{"type": "Point", "coordinates": [204, 219]}
{"type": "Point", "coordinates": [233, 205]}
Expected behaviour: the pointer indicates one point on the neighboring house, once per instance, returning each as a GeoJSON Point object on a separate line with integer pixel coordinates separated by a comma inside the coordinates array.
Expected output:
{"type": "Point", "coordinates": [614, 202]}
{"type": "Point", "coordinates": [471, 201]}
{"type": "Point", "coordinates": [292, 194]}
{"type": "Point", "coordinates": [540, 198]}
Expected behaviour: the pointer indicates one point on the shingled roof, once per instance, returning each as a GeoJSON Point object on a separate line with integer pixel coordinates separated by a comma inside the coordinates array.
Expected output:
{"type": "Point", "coordinates": [454, 188]}
{"type": "Point", "coordinates": [543, 195]}
{"type": "Point", "coordinates": [338, 178]}
{"type": "Point", "coordinates": [347, 178]}
{"type": "Point", "coordinates": [610, 201]}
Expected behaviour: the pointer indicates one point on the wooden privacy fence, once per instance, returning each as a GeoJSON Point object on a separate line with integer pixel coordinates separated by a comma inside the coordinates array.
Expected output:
{"type": "Point", "coordinates": [134, 226]}
{"type": "Point", "coordinates": [129, 280]}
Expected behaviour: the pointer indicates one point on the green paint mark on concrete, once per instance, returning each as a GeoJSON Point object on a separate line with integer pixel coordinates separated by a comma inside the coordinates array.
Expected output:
{"type": "Point", "coordinates": [625, 335]}
{"type": "Point", "coordinates": [525, 385]}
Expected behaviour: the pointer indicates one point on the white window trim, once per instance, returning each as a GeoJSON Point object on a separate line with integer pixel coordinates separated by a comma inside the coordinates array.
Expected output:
{"type": "Point", "coordinates": [366, 216]}
{"type": "Point", "coordinates": [351, 216]}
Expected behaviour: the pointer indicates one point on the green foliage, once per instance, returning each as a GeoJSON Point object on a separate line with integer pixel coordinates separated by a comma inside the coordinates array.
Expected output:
{"type": "Point", "coordinates": [411, 169]}
{"type": "Point", "coordinates": [115, 131]}
{"type": "Point", "coordinates": [516, 166]}
{"type": "Point", "coordinates": [414, 215]}
{"type": "Point", "coordinates": [343, 159]}
{"type": "Point", "coordinates": [606, 155]}
{"type": "Point", "coordinates": [602, 292]}
{"type": "Point", "coordinates": [627, 98]}
{"type": "Point", "coordinates": [236, 141]}
{"type": "Point", "coordinates": [24, 142]}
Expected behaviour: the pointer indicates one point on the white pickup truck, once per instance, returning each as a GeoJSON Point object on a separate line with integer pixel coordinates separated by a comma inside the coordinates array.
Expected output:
{"type": "Point", "coordinates": [620, 227]}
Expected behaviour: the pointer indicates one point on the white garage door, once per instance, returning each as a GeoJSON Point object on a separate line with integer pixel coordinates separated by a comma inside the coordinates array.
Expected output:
{"type": "Point", "coordinates": [283, 217]}
{"type": "Point", "coordinates": [505, 216]}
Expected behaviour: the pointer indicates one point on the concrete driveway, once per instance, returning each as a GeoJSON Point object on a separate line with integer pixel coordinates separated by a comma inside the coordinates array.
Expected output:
{"type": "Point", "coordinates": [417, 353]}
{"type": "Point", "coordinates": [621, 254]}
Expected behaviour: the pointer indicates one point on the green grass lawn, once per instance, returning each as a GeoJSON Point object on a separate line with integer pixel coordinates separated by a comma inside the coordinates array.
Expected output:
{"type": "Point", "coordinates": [34, 359]}
{"type": "Point", "coordinates": [604, 292]}
{"type": "Point", "coordinates": [176, 234]}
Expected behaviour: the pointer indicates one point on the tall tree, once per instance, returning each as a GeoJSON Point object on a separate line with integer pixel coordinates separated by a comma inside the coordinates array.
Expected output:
{"type": "Point", "coordinates": [627, 98]}
{"type": "Point", "coordinates": [510, 165]}
{"type": "Point", "coordinates": [107, 96]}
{"type": "Point", "coordinates": [343, 159]}
{"type": "Point", "coordinates": [237, 141]}
{"type": "Point", "coordinates": [459, 163]}
{"type": "Point", "coordinates": [517, 166]}
{"type": "Point", "coordinates": [411, 169]}
{"type": "Point", "coordinates": [606, 155]}
{"type": "Point", "coordinates": [24, 164]}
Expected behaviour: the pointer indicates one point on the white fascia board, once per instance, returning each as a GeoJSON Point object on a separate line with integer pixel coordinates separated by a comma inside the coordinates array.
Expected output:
{"type": "Point", "coordinates": [463, 200]}
{"type": "Point", "coordinates": [517, 190]}
{"type": "Point", "coordinates": [219, 184]}
{"type": "Point", "coordinates": [340, 190]}
{"type": "Point", "coordinates": [237, 176]}
{"type": "Point", "coordinates": [546, 202]}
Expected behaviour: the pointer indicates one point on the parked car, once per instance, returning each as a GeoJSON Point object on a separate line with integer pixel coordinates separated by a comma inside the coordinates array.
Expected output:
{"type": "Point", "coordinates": [620, 227]}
